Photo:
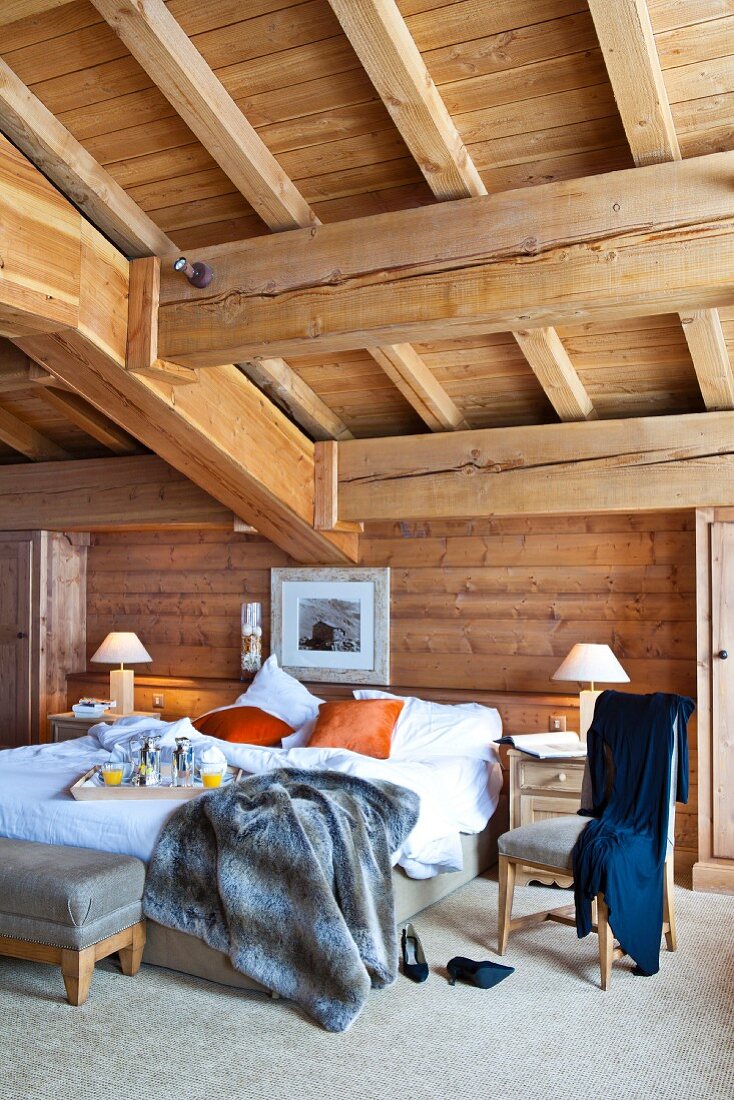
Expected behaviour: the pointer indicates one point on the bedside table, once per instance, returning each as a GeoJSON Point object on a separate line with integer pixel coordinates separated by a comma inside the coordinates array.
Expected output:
{"type": "Point", "coordinates": [67, 726]}
{"type": "Point", "coordinates": [540, 789]}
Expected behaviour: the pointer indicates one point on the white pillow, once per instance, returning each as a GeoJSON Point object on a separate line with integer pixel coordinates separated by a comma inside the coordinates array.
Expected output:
{"type": "Point", "coordinates": [281, 695]}
{"type": "Point", "coordinates": [426, 729]}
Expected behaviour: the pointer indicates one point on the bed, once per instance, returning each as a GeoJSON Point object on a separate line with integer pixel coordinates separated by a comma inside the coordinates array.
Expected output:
{"type": "Point", "coordinates": [453, 841]}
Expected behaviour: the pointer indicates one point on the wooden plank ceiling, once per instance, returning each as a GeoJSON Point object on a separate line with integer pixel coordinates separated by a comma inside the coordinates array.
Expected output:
{"type": "Point", "coordinates": [193, 123]}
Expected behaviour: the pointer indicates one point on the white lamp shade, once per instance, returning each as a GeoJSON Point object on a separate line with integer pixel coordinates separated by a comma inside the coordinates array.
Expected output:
{"type": "Point", "coordinates": [122, 648]}
{"type": "Point", "coordinates": [590, 663]}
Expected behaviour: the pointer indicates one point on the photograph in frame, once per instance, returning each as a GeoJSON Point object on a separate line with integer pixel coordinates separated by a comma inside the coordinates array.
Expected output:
{"type": "Point", "coordinates": [332, 624]}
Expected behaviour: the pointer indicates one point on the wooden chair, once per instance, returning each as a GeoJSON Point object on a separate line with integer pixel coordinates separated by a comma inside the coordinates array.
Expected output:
{"type": "Point", "coordinates": [548, 846]}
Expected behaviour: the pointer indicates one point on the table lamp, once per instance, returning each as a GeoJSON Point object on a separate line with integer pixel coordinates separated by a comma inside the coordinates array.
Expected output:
{"type": "Point", "coordinates": [123, 648]}
{"type": "Point", "coordinates": [589, 663]}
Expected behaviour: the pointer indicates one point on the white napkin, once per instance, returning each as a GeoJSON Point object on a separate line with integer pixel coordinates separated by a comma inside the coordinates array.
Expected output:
{"type": "Point", "coordinates": [122, 732]}
{"type": "Point", "coordinates": [209, 754]}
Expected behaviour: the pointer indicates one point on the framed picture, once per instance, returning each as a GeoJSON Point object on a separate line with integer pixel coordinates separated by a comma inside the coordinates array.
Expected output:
{"type": "Point", "coordinates": [332, 624]}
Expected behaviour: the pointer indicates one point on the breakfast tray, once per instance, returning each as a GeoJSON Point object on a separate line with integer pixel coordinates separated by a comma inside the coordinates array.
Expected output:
{"type": "Point", "coordinates": [87, 790]}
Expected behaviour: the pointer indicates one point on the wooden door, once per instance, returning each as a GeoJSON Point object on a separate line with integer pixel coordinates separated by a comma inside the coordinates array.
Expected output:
{"type": "Point", "coordinates": [15, 642]}
{"type": "Point", "coordinates": [722, 701]}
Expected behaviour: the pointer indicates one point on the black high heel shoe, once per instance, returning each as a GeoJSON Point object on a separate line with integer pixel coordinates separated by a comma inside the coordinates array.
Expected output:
{"type": "Point", "coordinates": [415, 966]}
{"type": "Point", "coordinates": [483, 974]}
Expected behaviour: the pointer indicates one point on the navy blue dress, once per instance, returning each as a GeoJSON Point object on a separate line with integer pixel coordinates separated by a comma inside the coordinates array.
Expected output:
{"type": "Point", "coordinates": [621, 853]}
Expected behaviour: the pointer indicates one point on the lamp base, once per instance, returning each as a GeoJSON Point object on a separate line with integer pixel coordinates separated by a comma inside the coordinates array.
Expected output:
{"type": "Point", "coordinates": [122, 690]}
{"type": "Point", "coordinates": [587, 703]}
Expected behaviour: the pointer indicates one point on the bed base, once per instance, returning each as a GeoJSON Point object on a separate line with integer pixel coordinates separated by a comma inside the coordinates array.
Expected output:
{"type": "Point", "coordinates": [179, 951]}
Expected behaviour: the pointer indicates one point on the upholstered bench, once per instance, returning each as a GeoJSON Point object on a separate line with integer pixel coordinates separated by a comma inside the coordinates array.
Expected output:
{"type": "Point", "coordinates": [70, 907]}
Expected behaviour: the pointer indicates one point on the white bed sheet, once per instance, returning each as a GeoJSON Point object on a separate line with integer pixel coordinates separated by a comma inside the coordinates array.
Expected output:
{"type": "Point", "coordinates": [457, 794]}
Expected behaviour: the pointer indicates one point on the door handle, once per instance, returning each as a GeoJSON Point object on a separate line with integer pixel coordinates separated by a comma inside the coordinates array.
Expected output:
{"type": "Point", "coordinates": [723, 654]}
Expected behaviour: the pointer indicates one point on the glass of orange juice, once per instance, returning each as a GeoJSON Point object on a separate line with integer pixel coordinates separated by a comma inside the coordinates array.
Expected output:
{"type": "Point", "coordinates": [211, 775]}
{"type": "Point", "coordinates": [112, 773]}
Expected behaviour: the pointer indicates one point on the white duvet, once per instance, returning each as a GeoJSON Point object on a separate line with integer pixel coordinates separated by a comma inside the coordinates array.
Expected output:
{"type": "Point", "coordinates": [457, 794]}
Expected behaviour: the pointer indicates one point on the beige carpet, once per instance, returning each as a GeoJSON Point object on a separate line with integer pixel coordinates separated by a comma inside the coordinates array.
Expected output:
{"type": "Point", "coordinates": [547, 1032]}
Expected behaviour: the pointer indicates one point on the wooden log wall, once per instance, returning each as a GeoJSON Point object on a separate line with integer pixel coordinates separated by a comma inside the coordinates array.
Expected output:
{"type": "Point", "coordinates": [482, 605]}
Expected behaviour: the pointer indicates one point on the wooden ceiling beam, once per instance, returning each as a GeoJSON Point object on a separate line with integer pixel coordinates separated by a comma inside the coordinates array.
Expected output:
{"type": "Point", "coordinates": [419, 386]}
{"type": "Point", "coordinates": [627, 41]}
{"type": "Point", "coordinates": [288, 390]}
{"type": "Point", "coordinates": [53, 149]}
{"type": "Point", "coordinates": [142, 326]}
{"type": "Point", "coordinates": [641, 242]}
{"type": "Point", "coordinates": [19, 372]}
{"type": "Point", "coordinates": [382, 41]}
{"type": "Point", "coordinates": [90, 420]}
{"type": "Point", "coordinates": [523, 225]}
{"type": "Point", "coordinates": [638, 464]}
{"type": "Point", "coordinates": [39, 287]}
{"type": "Point", "coordinates": [707, 345]}
{"type": "Point", "coordinates": [15, 368]}
{"type": "Point", "coordinates": [220, 433]}
{"type": "Point", "coordinates": [387, 50]}
{"type": "Point", "coordinates": [551, 365]}
{"type": "Point", "coordinates": [26, 440]}
{"type": "Point", "coordinates": [108, 493]}
{"type": "Point", "coordinates": [172, 61]}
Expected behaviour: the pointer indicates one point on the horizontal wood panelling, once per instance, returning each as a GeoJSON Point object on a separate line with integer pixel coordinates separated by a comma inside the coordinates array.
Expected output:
{"type": "Point", "coordinates": [489, 605]}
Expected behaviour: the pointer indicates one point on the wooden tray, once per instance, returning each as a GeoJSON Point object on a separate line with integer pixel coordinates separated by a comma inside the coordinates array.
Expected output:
{"type": "Point", "coordinates": [85, 791]}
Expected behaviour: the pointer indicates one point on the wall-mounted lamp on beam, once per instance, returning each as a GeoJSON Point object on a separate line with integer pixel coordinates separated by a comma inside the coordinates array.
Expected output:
{"type": "Point", "coordinates": [198, 274]}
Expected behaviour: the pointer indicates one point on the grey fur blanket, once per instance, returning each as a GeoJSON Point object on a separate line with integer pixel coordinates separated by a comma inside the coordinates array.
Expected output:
{"type": "Point", "coordinates": [289, 873]}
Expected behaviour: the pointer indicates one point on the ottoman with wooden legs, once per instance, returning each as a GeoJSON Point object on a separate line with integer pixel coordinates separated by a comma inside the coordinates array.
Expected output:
{"type": "Point", "coordinates": [70, 907]}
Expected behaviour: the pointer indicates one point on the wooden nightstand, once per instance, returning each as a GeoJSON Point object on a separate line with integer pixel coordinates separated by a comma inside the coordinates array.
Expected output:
{"type": "Point", "coordinates": [67, 726]}
{"type": "Point", "coordinates": [540, 789]}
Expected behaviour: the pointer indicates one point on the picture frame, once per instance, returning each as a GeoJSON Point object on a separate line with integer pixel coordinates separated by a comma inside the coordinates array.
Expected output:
{"type": "Point", "coordinates": [332, 624]}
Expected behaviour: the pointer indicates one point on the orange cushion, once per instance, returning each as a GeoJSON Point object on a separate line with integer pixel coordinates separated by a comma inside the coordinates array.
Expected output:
{"type": "Point", "coordinates": [362, 725]}
{"type": "Point", "coordinates": [248, 725]}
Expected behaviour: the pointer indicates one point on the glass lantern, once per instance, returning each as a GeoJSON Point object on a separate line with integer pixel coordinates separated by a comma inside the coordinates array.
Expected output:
{"type": "Point", "coordinates": [251, 637]}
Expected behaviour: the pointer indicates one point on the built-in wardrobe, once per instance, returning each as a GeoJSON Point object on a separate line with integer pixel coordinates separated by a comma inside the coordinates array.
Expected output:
{"type": "Point", "coordinates": [42, 628]}
{"type": "Point", "coordinates": [714, 869]}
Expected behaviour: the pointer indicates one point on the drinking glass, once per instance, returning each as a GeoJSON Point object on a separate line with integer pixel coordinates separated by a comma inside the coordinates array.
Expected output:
{"type": "Point", "coordinates": [112, 772]}
{"type": "Point", "coordinates": [211, 775]}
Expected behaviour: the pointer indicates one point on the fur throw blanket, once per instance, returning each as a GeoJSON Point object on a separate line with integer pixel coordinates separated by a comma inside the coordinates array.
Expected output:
{"type": "Point", "coordinates": [289, 873]}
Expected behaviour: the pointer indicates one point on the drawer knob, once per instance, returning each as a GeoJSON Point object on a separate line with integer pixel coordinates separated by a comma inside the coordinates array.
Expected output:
{"type": "Point", "coordinates": [562, 777]}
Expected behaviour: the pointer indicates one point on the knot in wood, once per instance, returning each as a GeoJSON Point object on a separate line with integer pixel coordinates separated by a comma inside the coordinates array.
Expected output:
{"type": "Point", "coordinates": [530, 246]}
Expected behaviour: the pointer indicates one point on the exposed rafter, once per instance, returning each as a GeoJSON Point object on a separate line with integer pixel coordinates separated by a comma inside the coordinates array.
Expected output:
{"type": "Point", "coordinates": [707, 345]}
{"type": "Point", "coordinates": [26, 440]}
{"type": "Point", "coordinates": [15, 368]}
{"type": "Point", "coordinates": [90, 420]}
{"type": "Point", "coordinates": [641, 242]}
{"type": "Point", "coordinates": [47, 142]}
{"type": "Point", "coordinates": [627, 41]}
{"type": "Point", "coordinates": [395, 65]}
{"type": "Point", "coordinates": [628, 44]}
{"type": "Point", "coordinates": [219, 433]}
{"type": "Point", "coordinates": [419, 386]}
{"type": "Point", "coordinates": [549, 361]}
{"type": "Point", "coordinates": [172, 61]}
{"type": "Point", "coordinates": [288, 390]}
